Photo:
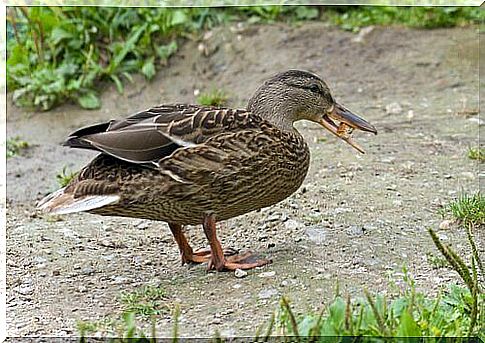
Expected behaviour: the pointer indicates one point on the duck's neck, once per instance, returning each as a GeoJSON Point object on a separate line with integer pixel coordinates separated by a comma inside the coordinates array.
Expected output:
{"type": "Point", "coordinates": [273, 112]}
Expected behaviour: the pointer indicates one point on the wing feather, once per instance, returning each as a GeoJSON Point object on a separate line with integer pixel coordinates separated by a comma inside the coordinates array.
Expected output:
{"type": "Point", "coordinates": [148, 136]}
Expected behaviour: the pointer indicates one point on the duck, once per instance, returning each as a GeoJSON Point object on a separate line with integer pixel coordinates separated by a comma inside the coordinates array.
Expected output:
{"type": "Point", "coordinates": [187, 164]}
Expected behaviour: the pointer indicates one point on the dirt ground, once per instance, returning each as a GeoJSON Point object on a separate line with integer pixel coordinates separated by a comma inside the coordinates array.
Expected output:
{"type": "Point", "coordinates": [357, 219]}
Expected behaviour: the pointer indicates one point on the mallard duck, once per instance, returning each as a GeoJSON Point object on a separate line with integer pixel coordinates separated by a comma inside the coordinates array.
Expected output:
{"type": "Point", "coordinates": [189, 164]}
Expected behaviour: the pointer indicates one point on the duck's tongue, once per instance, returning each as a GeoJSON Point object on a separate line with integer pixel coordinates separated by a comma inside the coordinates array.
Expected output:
{"type": "Point", "coordinates": [348, 121]}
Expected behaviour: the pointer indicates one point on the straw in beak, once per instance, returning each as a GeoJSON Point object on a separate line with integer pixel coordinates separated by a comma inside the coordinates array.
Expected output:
{"type": "Point", "coordinates": [347, 122]}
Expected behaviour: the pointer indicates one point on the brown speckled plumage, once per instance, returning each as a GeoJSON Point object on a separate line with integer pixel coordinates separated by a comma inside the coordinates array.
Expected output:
{"type": "Point", "coordinates": [215, 177]}
{"type": "Point", "coordinates": [190, 164]}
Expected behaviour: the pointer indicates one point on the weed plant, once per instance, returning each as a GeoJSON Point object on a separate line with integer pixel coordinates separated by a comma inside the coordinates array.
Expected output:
{"type": "Point", "coordinates": [15, 146]}
{"type": "Point", "coordinates": [66, 54]}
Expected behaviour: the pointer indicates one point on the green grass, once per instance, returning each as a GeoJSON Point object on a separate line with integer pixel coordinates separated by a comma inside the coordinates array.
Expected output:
{"type": "Point", "coordinates": [467, 209]}
{"type": "Point", "coordinates": [215, 97]}
{"type": "Point", "coordinates": [412, 314]}
{"type": "Point", "coordinates": [476, 154]}
{"type": "Point", "coordinates": [15, 146]}
{"type": "Point", "coordinates": [352, 18]}
{"type": "Point", "coordinates": [67, 54]}
{"type": "Point", "coordinates": [124, 327]}
{"type": "Point", "coordinates": [146, 301]}
{"type": "Point", "coordinates": [86, 327]}
{"type": "Point", "coordinates": [65, 176]}
{"type": "Point", "coordinates": [436, 262]}
{"type": "Point", "coordinates": [60, 54]}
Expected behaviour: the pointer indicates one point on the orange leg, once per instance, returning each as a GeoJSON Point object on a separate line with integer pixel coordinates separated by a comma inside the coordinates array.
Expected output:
{"type": "Point", "coordinates": [188, 255]}
{"type": "Point", "coordinates": [218, 261]}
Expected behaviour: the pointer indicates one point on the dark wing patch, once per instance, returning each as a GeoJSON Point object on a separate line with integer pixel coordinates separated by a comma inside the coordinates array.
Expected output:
{"type": "Point", "coordinates": [148, 136]}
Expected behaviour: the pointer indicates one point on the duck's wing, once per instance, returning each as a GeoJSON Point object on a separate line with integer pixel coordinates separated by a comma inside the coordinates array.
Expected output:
{"type": "Point", "coordinates": [150, 135]}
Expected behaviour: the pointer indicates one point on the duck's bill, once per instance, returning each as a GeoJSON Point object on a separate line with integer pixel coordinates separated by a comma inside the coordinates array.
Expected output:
{"type": "Point", "coordinates": [347, 122]}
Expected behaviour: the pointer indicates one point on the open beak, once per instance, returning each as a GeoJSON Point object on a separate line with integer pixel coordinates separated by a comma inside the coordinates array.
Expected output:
{"type": "Point", "coordinates": [348, 121]}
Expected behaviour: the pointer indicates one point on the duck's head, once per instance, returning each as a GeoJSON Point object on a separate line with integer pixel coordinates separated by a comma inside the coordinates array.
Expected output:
{"type": "Point", "coordinates": [300, 95]}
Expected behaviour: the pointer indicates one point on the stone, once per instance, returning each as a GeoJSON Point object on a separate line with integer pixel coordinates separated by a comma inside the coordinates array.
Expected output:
{"type": "Point", "coordinates": [355, 231]}
{"type": "Point", "coordinates": [239, 273]}
{"type": "Point", "coordinates": [25, 289]}
{"type": "Point", "coordinates": [267, 293]}
{"type": "Point", "coordinates": [394, 108]}
{"type": "Point", "coordinates": [273, 218]}
{"type": "Point", "coordinates": [316, 234]}
{"type": "Point", "coordinates": [143, 225]}
{"type": "Point", "coordinates": [479, 121]}
{"type": "Point", "coordinates": [359, 38]}
{"type": "Point", "coordinates": [87, 271]}
{"type": "Point", "coordinates": [267, 274]}
{"type": "Point", "coordinates": [468, 175]}
{"type": "Point", "coordinates": [445, 224]}
{"type": "Point", "coordinates": [292, 224]}
{"type": "Point", "coordinates": [40, 260]}
{"type": "Point", "coordinates": [410, 115]}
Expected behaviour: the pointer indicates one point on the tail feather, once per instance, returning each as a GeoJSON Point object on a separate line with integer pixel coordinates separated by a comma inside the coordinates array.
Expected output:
{"type": "Point", "coordinates": [60, 202]}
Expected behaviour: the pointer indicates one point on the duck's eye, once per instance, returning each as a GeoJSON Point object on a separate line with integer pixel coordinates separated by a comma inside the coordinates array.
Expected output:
{"type": "Point", "coordinates": [315, 89]}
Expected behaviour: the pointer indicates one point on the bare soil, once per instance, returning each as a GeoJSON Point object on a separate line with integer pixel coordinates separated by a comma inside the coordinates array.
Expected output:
{"type": "Point", "coordinates": [357, 219]}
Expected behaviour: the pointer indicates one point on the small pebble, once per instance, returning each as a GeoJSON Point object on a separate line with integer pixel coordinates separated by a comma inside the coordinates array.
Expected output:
{"type": "Point", "coordinates": [267, 293]}
{"type": "Point", "coordinates": [394, 108]}
{"type": "Point", "coordinates": [273, 217]}
{"type": "Point", "coordinates": [316, 234]}
{"type": "Point", "coordinates": [267, 274]}
{"type": "Point", "coordinates": [239, 273]}
{"type": "Point", "coordinates": [391, 187]}
{"type": "Point", "coordinates": [143, 225]}
{"type": "Point", "coordinates": [25, 290]}
{"type": "Point", "coordinates": [87, 271]}
{"type": "Point", "coordinates": [292, 224]}
{"type": "Point", "coordinates": [359, 38]}
{"type": "Point", "coordinates": [355, 231]}
{"type": "Point", "coordinates": [410, 115]}
{"type": "Point", "coordinates": [40, 259]}
{"type": "Point", "coordinates": [445, 224]}
{"type": "Point", "coordinates": [216, 321]}
{"type": "Point", "coordinates": [479, 121]}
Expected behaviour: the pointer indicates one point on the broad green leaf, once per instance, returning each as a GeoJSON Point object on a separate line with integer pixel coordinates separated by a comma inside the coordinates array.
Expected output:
{"type": "Point", "coordinates": [127, 76]}
{"type": "Point", "coordinates": [128, 46]}
{"type": "Point", "coordinates": [17, 56]}
{"type": "Point", "coordinates": [179, 17]}
{"type": "Point", "coordinates": [59, 34]}
{"type": "Point", "coordinates": [337, 312]}
{"type": "Point", "coordinates": [165, 51]}
{"type": "Point", "coordinates": [305, 13]}
{"type": "Point", "coordinates": [148, 68]}
{"type": "Point", "coordinates": [408, 326]}
{"type": "Point", "coordinates": [398, 306]}
{"type": "Point", "coordinates": [89, 101]}
{"type": "Point", "coordinates": [67, 69]}
{"type": "Point", "coordinates": [117, 81]}
{"type": "Point", "coordinates": [306, 325]}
